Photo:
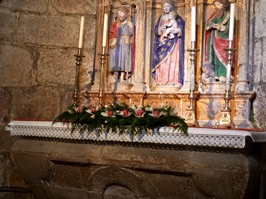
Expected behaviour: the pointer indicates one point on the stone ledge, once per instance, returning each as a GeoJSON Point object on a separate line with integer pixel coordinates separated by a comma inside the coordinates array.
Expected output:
{"type": "Point", "coordinates": [207, 137]}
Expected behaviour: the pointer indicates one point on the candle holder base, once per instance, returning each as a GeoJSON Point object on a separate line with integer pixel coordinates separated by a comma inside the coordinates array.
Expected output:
{"type": "Point", "coordinates": [190, 111]}
{"type": "Point", "coordinates": [225, 120]}
{"type": "Point", "coordinates": [191, 117]}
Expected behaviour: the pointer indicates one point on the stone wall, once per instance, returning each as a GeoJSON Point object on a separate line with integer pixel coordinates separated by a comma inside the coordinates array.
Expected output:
{"type": "Point", "coordinates": [38, 41]}
{"type": "Point", "coordinates": [12, 184]}
{"type": "Point", "coordinates": [258, 61]}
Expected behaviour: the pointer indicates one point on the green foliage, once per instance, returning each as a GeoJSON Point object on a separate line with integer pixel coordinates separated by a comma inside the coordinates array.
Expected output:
{"type": "Point", "coordinates": [121, 117]}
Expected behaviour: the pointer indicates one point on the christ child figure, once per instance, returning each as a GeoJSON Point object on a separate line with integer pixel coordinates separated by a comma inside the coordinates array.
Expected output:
{"type": "Point", "coordinates": [170, 28]}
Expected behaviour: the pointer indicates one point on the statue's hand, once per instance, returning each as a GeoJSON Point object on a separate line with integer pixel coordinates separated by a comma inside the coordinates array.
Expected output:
{"type": "Point", "coordinates": [211, 24]}
{"type": "Point", "coordinates": [222, 28]}
{"type": "Point", "coordinates": [219, 27]}
{"type": "Point", "coordinates": [161, 30]}
{"type": "Point", "coordinates": [112, 46]}
{"type": "Point", "coordinates": [130, 25]}
{"type": "Point", "coordinates": [216, 26]}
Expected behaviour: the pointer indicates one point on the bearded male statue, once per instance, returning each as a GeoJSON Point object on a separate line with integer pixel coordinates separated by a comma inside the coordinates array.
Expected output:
{"type": "Point", "coordinates": [216, 39]}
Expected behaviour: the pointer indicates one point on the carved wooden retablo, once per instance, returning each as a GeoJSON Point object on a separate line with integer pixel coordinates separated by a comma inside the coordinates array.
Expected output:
{"type": "Point", "coordinates": [132, 73]}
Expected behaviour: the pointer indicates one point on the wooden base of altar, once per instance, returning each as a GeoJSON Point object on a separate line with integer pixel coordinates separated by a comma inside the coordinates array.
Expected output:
{"type": "Point", "coordinates": [208, 106]}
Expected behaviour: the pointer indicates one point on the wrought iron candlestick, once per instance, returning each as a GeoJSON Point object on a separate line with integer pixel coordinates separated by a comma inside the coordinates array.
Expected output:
{"type": "Point", "coordinates": [191, 112]}
{"type": "Point", "coordinates": [103, 61]}
{"type": "Point", "coordinates": [225, 120]}
{"type": "Point", "coordinates": [76, 94]}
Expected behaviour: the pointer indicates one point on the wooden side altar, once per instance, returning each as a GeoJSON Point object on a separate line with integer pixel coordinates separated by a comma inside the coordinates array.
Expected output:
{"type": "Point", "coordinates": [207, 97]}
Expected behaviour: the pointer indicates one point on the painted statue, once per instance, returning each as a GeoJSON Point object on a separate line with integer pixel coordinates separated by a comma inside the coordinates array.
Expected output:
{"type": "Point", "coordinates": [216, 40]}
{"type": "Point", "coordinates": [121, 46]}
{"type": "Point", "coordinates": [168, 52]}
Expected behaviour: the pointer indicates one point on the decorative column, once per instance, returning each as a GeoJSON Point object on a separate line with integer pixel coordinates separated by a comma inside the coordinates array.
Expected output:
{"type": "Point", "coordinates": [148, 50]}
{"type": "Point", "coordinates": [103, 7]}
{"type": "Point", "coordinates": [243, 95]}
{"type": "Point", "coordinates": [243, 9]}
{"type": "Point", "coordinates": [185, 87]}
{"type": "Point", "coordinates": [138, 83]}
{"type": "Point", "coordinates": [200, 45]}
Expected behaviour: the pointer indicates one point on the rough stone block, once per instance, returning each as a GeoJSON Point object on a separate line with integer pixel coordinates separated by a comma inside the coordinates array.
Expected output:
{"type": "Point", "coordinates": [2, 169]}
{"type": "Point", "coordinates": [154, 159]}
{"type": "Point", "coordinates": [10, 175]}
{"type": "Point", "coordinates": [39, 173]}
{"type": "Point", "coordinates": [36, 102]}
{"type": "Point", "coordinates": [87, 67]}
{"type": "Point", "coordinates": [259, 106]}
{"type": "Point", "coordinates": [260, 10]}
{"type": "Point", "coordinates": [5, 108]}
{"type": "Point", "coordinates": [58, 66]}
{"type": "Point", "coordinates": [215, 161]}
{"type": "Point", "coordinates": [6, 141]}
{"type": "Point", "coordinates": [8, 24]}
{"type": "Point", "coordinates": [126, 173]}
{"type": "Point", "coordinates": [257, 63]}
{"type": "Point", "coordinates": [66, 193]}
{"type": "Point", "coordinates": [264, 60]}
{"type": "Point", "coordinates": [14, 195]}
{"type": "Point", "coordinates": [51, 30]}
{"type": "Point", "coordinates": [16, 66]}
{"type": "Point", "coordinates": [82, 7]}
{"type": "Point", "coordinates": [26, 5]}
{"type": "Point", "coordinates": [14, 177]}
{"type": "Point", "coordinates": [48, 73]}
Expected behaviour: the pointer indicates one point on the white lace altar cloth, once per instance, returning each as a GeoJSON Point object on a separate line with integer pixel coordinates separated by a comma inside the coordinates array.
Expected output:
{"type": "Point", "coordinates": [209, 137]}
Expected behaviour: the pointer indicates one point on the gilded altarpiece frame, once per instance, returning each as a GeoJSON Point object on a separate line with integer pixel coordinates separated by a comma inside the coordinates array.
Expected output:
{"type": "Point", "coordinates": [209, 99]}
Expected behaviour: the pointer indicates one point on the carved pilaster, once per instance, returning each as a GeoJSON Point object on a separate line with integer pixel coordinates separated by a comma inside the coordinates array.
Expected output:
{"type": "Point", "coordinates": [242, 15]}
{"type": "Point", "coordinates": [138, 81]}
{"type": "Point", "coordinates": [148, 52]}
{"type": "Point", "coordinates": [242, 108]}
{"type": "Point", "coordinates": [103, 6]}
{"type": "Point", "coordinates": [187, 19]}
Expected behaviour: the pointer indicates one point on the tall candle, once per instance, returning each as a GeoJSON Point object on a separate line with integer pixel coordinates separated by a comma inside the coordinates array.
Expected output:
{"type": "Point", "coordinates": [81, 32]}
{"type": "Point", "coordinates": [228, 78]}
{"type": "Point", "coordinates": [231, 22]}
{"type": "Point", "coordinates": [105, 26]}
{"type": "Point", "coordinates": [193, 23]}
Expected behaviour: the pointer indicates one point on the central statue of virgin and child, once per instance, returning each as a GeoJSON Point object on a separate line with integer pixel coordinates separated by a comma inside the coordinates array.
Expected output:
{"type": "Point", "coordinates": [168, 52]}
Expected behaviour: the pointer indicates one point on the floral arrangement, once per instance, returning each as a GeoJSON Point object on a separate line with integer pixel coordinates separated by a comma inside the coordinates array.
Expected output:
{"type": "Point", "coordinates": [121, 117]}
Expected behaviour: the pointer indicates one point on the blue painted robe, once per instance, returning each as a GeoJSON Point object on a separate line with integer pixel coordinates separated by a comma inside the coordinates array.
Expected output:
{"type": "Point", "coordinates": [162, 52]}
